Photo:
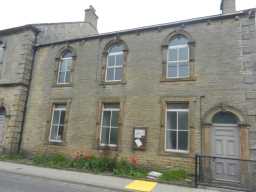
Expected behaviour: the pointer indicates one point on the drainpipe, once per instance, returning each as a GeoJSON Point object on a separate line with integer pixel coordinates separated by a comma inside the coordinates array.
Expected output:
{"type": "Point", "coordinates": [201, 124]}
{"type": "Point", "coordinates": [34, 48]}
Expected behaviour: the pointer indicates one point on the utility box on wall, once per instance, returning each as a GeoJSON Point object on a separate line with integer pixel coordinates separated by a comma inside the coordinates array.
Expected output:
{"type": "Point", "coordinates": [139, 138]}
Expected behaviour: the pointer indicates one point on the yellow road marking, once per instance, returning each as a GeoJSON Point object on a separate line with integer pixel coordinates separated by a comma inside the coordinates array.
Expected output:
{"type": "Point", "coordinates": [142, 186]}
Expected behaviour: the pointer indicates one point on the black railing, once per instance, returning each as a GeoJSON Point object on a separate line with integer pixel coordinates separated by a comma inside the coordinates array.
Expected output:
{"type": "Point", "coordinates": [225, 173]}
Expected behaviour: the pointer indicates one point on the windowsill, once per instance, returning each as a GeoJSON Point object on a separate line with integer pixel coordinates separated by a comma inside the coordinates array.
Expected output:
{"type": "Point", "coordinates": [176, 154]}
{"type": "Point", "coordinates": [107, 148]}
{"type": "Point", "coordinates": [112, 83]}
{"type": "Point", "coordinates": [178, 79]}
{"type": "Point", "coordinates": [62, 85]}
{"type": "Point", "coordinates": [57, 143]}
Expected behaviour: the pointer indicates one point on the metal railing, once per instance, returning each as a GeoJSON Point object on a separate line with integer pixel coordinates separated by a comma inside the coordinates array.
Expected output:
{"type": "Point", "coordinates": [226, 173]}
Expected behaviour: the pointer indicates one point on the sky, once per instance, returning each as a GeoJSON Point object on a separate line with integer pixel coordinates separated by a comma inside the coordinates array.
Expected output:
{"type": "Point", "coordinates": [113, 14]}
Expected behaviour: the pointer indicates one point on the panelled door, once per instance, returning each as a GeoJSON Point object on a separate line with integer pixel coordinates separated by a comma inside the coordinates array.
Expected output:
{"type": "Point", "coordinates": [226, 147]}
{"type": "Point", "coordinates": [2, 120]}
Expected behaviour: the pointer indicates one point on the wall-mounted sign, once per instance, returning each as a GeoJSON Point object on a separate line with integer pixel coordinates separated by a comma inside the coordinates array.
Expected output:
{"type": "Point", "coordinates": [139, 138]}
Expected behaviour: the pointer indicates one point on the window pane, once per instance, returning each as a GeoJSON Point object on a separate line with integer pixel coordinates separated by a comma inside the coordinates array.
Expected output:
{"type": "Point", "coordinates": [104, 135]}
{"type": "Point", "coordinates": [113, 136]}
{"type": "Point", "coordinates": [106, 118]}
{"type": "Point", "coordinates": [183, 120]}
{"type": "Point", "coordinates": [60, 133]}
{"type": "Point", "coordinates": [61, 77]}
{"type": "Point", "coordinates": [183, 69]}
{"type": "Point", "coordinates": [56, 116]}
{"type": "Point", "coordinates": [114, 120]}
{"type": "Point", "coordinates": [183, 53]}
{"type": "Point", "coordinates": [54, 133]}
{"type": "Point", "coordinates": [119, 59]}
{"type": "Point", "coordinates": [66, 65]}
{"type": "Point", "coordinates": [171, 140]}
{"type": "Point", "coordinates": [62, 117]}
{"type": "Point", "coordinates": [177, 106]}
{"type": "Point", "coordinates": [110, 74]}
{"type": "Point", "coordinates": [111, 60]}
{"type": "Point", "coordinates": [116, 48]}
{"type": "Point", "coordinates": [183, 140]}
{"type": "Point", "coordinates": [111, 106]}
{"type": "Point", "coordinates": [67, 78]}
{"type": "Point", "coordinates": [178, 40]}
{"type": "Point", "coordinates": [118, 74]}
{"type": "Point", "coordinates": [225, 118]}
{"type": "Point", "coordinates": [172, 70]}
{"type": "Point", "coordinates": [172, 55]}
{"type": "Point", "coordinates": [171, 120]}
{"type": "Point", "coordinates": [67, 54]}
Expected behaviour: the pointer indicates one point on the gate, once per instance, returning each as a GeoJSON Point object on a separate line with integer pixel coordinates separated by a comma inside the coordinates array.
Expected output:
{"type": "Point", "coordinates": [209, 171]}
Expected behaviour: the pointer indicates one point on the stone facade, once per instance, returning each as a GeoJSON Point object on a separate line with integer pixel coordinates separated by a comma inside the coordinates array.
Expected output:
{"type": "Point", "coordinates": [223, 50]}
{"type": "Point", "coordinates": [222, 78]}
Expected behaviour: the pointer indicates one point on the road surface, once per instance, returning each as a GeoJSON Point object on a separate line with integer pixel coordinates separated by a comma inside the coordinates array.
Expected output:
{"type": "Point", "coordinates": [10, 182]}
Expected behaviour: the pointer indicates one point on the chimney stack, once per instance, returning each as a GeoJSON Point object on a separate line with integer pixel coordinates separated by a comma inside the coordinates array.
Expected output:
{"type": "Point", "coordinates": [91, 17]}
{"type": "Point", "coordinates": [228, 6]}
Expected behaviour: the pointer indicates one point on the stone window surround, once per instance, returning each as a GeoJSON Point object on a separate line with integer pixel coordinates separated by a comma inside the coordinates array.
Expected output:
{"type": "Point", "coordinates": [57, 63]}
{"type": "Point", "coordinates": [110, 43]}
{"type": "Point", "coordinates": [164, 51]}
{"type": "Point", "coordinates": [100, 104]}
{"type": "Point", "coordinates": [191, 140]}
{"type": "Point", "coordinates": [61, 101]}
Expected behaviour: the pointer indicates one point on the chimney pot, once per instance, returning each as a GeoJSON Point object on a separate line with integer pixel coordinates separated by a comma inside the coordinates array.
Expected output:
{"type": "Point", "coordinates": [228, 6]}
{"type": "Point", "coordinates": [91, 17]}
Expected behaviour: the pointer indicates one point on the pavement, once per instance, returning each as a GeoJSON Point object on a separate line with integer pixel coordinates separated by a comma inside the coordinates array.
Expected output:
{"type": "Point", "coordinates": [105, 182]}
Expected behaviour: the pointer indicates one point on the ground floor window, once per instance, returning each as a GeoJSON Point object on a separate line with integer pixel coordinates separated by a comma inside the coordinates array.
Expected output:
{"type": "Point", "coordinates": [2, 120]}
{"type": "Point", "coordinates": [109, 125]}
{"type": "Point", "coordinates": [176, 127]}
{"type": "Point", "coordinates": [57, 124]}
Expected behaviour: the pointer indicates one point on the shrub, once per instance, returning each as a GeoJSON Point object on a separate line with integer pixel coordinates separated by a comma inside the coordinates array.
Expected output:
{"type": "Point", "coordinates": [55, 161]}
{"type": "Point", "coordinates": [124, 168]}
{"type": "Point", "coordinates": [174, 175]}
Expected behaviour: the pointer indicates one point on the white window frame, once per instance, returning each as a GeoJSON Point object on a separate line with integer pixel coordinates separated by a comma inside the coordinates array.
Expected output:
{"type": "Point", "coordinates": [114, 66]}
{"type": "Point", "coordinates": [177, 131]}
{"type": "Point", "coordinates": [177, 48]}
{"type": "Point", "coordinates": [66, 71]}
{"type": "Point", "coordinates": [110, 128]}
{"type": "Point", "coordinates": [58, 125]}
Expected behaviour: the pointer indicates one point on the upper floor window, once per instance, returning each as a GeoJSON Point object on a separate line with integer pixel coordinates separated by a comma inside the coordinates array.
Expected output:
{"type": "Point", "coordinates": [115, 62]}
{"type": "Point", "coordinates": [64, 68]}
{"type": "Point", "coordinates": [178, 58]}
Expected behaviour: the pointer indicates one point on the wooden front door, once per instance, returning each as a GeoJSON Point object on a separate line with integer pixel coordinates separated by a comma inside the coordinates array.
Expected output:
{"type": "Point", "coordinates": [226, 147]}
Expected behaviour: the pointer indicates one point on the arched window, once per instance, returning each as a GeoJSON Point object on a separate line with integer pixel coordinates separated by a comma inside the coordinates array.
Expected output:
{"type": "Point", "coordinates": [2, 120]}
{"type": "Point", "coordinates": [178, 57]}
{"type": "Point", "coordinates": [225, 117]}
{"type": "Point", "coordinates": [64, 70]}
{"type": "Point", "coordinates": [115, 62]}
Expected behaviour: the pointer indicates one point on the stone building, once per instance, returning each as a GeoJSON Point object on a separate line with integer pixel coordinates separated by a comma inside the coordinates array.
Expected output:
{"type": "Point", "coordinates": [163, 93]}
{"type": "Point", "coordinates": [17, 50]}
